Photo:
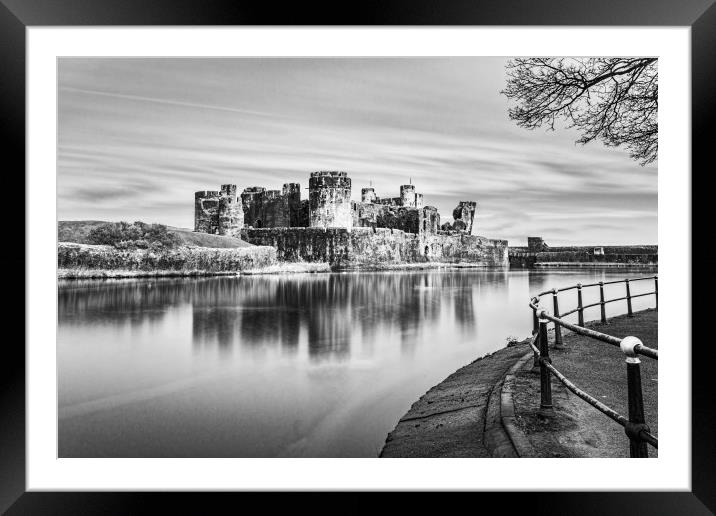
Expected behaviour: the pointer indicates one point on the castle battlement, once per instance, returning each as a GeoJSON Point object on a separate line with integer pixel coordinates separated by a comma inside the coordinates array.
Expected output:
{"type": "Point", "coordinates": [328, 205]}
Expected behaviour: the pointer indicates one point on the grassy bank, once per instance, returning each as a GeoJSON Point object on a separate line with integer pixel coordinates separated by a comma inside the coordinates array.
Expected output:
{"type": "Point", "coordinates": [595, 265]}
{"type": "Point", "coordinates": [416, 266]}
{"type": "Point", "coordinates": [87, 260]}
{"type": "Point", "coordinates": [290, 268]}
{"type": "Point", "coordinates": [80, 273]}
{"type": "Point", "coordinates": [77, 231]}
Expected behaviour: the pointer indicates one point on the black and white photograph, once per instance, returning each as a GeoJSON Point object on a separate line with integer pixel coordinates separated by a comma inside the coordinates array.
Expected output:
{"type": "Point", "coordinates": [354, 257]}
{"type": "Point", "coordinates": [312, 250]}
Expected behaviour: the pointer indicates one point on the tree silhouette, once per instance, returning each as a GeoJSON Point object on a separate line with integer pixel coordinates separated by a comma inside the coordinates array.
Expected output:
{"type": "Point", "coordinates": [614, 100]}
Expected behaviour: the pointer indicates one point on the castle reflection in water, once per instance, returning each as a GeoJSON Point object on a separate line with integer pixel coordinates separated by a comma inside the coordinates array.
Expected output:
{"type": "Point", "coordinates": [328, 310]}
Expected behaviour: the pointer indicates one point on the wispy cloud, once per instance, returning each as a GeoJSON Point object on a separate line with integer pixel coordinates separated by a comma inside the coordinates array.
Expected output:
{"type": "Point", "coordinates": [139, 136]}
{"type": "Point", "coordinates": [164, 101]}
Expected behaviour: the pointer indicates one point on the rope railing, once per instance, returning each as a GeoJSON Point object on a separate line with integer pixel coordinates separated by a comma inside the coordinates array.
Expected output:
{"type": "Point", "coordinates": [635, 425]}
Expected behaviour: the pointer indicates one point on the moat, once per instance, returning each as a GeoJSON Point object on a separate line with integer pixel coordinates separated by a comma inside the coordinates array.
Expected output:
{"type": "Point", "coordinates": [305, 365]}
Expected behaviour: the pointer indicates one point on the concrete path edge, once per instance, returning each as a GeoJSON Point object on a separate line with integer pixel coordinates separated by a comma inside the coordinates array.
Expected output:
{"type": "Point", "coordinates": [522, 445]}
{"type": "Point", "coordinates": [502, 437]}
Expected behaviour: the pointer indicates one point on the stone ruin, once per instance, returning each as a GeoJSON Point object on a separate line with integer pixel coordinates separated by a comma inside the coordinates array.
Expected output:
{"type": "Point", "coordinates": [329, 205]}
{"type": "Point", "coordinates": [218, 212]}
{"type": "Point", "coordinates": [536, 245]}
{"type": "Point", "coordinates": [463, 218]}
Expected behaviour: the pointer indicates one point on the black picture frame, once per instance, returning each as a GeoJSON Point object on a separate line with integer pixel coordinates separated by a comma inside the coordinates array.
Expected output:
{"type": "Point", "coordinates": [17, 15]}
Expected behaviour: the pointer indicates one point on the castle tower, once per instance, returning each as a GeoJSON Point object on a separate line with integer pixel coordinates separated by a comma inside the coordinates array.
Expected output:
{"type": "Point", "coordinates": [429, 220]}
{"type": "Point", "coordinates": [251, 200]}
{"type": "Point", "coordinates": [407, 195]}
{"type": "Point", "coordinates": [464, 215]}
{"type": "Point", "coordinates": [206, 211]}
{"type": "Point", "coordinates": [419, 200]}
{"type": "Point", "coordinates": [536, 244]}
{"type": "Point", "coordinates": [230, 213]}
{"type": "Point", "coordinates": [329, 196]}
{"type": "Point", "coordinates": [367, 194]}
{"type": "Point", "coordinates": [292, 191]}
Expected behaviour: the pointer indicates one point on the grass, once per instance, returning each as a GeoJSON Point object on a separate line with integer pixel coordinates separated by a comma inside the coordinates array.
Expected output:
{"type": "Point", "coordinates": [185, 260]}
{"type": "Point", "coordinates": [76, 231]}
{"type": "Point", "coordinates": [125, 273]}
{"type": "Point", "coordinates": [577, 429]}
{"type": "Point", "coordinates": [290, 268]}
{"type": "Point", "coordinates": [189, 237]}
{"type": "Point", "coordinates": [417, 266]}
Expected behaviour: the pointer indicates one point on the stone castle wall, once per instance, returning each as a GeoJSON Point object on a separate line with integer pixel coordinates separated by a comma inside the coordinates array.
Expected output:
{"type": "Point", "coordinates": [231, 212]}
{"type": "Point", "coordinates": [272, 208]}
{"type": "Point", "coordinates": [329, 198]}
{"type": "Point", "coordinates": [366, 246]}
{"type": "Point", "coordinates": [328, 205]}
{"type": "Point", "coordinates": [206, 211]}
{"type": "Point", "coordinates": [218, 212]}
{"type": "Point", "coordinates": [537, 251]}
{"type": "Point", "coordinates": [329, 227]}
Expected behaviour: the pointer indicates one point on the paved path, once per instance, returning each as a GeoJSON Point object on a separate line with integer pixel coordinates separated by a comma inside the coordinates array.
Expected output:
{"type": "Point", "coordinates": [449, 420]}
{"type": "Point", "coordinates": [464, 415]}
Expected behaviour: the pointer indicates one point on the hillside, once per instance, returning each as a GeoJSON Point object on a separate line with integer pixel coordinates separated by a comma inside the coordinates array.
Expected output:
{"type": "Point", "coordinates": [77, 230]}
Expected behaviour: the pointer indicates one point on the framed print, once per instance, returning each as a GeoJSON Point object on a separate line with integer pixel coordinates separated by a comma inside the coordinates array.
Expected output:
{"type": "Point", "coordinates": [412, 250]}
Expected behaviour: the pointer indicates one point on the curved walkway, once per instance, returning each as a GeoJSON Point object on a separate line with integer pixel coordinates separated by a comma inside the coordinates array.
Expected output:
{"type": "Point", "coordinates": [489, 408]}
{"type": "Point", "coordinates": [449, 419]}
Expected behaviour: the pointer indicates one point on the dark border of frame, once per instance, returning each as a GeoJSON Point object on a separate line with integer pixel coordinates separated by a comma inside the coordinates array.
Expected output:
{"type": "Point", "coordinates": [16, 15]}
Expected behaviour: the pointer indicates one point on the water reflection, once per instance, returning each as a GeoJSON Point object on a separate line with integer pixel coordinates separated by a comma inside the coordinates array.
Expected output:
{"type": "Point", "coordinates": [277, 310]}
{"type": "Point", "coordinates": [299, 365]}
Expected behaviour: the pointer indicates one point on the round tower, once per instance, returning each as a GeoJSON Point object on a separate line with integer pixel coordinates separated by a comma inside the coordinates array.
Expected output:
{"type": "Point", "coordinates": [407, 195]}
{"type": "Point", "coordinates": [231, 212]}
{"type": "Point", "coordinates": [329, 196]}
{"type": "Point", "coordinates": [367, 195]}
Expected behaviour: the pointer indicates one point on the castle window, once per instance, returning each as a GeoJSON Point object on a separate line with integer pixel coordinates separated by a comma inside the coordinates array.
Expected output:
{"type": "Point", "coordinates": [427, 250]}
{"type": "Point", "coordinates": [425, 225]}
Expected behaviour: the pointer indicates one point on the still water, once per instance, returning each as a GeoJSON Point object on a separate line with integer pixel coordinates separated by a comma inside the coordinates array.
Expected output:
{"type": "Point", "coordinates": [280, 366]}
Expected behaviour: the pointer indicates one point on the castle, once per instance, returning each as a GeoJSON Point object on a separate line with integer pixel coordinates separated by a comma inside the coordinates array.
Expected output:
{"type": "Point", "coordinates": [329, 226]}
{"type": "Point", "coordinates": [329, 205]}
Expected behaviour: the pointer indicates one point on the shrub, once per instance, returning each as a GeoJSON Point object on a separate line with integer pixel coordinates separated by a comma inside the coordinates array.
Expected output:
{"type": "Point", "coordinates": [105, 257]}
{"type": "Point", "coordinates": [512, 341]}
{"type": "Point", "coordinates": [139, 235]}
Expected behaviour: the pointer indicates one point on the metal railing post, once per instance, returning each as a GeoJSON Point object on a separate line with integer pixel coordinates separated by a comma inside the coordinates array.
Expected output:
{"type": "Point", "coordinates": [544, 374]}
{"type": "Point", "coordinates": [636, 424]}
{"type": "Point", "coordinates": [601, 301]}
{"type": "Point", "coordinates": [628, 296]}
{"type": "Point", "coordinates": [580, 311]}
{"type": "Point", "coordinates": [557, 328]}
{"type": "Point", "coordinates": [535, 331]}
{"type": "Point", "coordinates": [656, 290]}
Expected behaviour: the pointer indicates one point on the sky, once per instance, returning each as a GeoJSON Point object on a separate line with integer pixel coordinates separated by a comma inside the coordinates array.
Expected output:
{"type": "Point", "coordinates": [138, 136]}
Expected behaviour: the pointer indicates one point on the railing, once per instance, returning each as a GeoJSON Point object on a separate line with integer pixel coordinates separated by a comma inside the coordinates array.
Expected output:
{"type": "Point", "coordinates": [635, 425]}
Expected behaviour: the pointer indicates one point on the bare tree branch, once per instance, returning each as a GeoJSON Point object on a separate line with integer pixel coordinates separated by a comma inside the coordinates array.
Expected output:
{"type": "Point", "coordinates": [614, 100]}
